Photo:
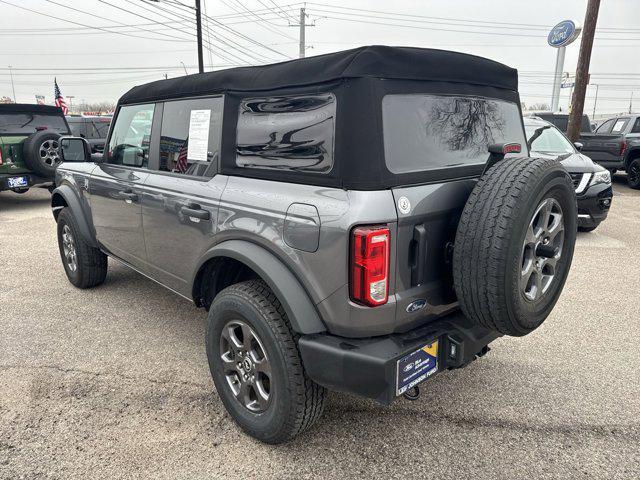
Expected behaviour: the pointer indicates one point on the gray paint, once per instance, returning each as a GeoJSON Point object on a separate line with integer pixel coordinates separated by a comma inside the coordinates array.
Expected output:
{"type": "Point", "coordinates": [302, 227]}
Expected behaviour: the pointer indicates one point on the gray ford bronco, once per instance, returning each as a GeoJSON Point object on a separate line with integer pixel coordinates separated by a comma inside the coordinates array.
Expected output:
{"type": "Point", "coordinates": [358, 221]}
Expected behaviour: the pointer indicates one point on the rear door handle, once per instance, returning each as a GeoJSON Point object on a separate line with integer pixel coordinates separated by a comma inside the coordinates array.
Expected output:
{"type": "Point", "coordinates": [418, 255]}
{"type": "Point", "coordinates": [195, 211]}
{"type": "Point", "coordinates": [129, 197]}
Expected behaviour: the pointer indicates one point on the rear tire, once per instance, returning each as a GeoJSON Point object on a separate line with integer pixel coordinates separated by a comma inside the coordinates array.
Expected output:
{"type": "Point", "coordinates": [514, 244]}
{"type": "Point", "coordinates": [85, 266]}
{"type": "Point", "coordinates": [277, 406]}
{"type": "Point", "coordinates": [633, 174]}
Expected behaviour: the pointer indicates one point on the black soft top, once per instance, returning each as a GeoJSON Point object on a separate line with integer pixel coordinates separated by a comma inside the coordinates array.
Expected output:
{"type": "Point", "coordinates": [402, 63]}
{"type": "Point", "coordinates": [29, 108]}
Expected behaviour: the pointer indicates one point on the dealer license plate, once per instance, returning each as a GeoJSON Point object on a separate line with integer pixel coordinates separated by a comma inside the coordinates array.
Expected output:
{"type": "Point", "coordinates": [14, 182]}
{"type": "Point", "coordinates": [417, 367]}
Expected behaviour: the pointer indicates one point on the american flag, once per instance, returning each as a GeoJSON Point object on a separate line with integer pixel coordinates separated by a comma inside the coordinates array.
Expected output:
{"type": "Point", "coordinates": [59, 98]}
{"type": "Point", "coordinates": [181, 164]}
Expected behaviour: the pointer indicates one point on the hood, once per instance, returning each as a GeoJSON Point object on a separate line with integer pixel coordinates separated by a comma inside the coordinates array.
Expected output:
{"type": "Point", "coordinates": [573, 162]}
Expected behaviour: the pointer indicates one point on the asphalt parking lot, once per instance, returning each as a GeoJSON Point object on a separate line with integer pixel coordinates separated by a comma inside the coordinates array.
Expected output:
{"type": "Point", "coordinates": [113, 382]}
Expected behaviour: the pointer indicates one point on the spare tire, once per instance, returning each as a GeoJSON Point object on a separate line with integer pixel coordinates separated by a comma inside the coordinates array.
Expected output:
{"type": "Point", "coordinates": [514, 244]}
{"type": "Point", "coordinates": [41, 153]}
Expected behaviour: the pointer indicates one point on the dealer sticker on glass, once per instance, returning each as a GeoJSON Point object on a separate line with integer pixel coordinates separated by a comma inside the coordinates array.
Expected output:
{"type": "Point", "coordinates": [417, 367]}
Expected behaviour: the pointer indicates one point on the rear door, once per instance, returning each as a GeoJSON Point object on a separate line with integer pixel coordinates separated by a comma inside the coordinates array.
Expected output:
{"type": "Point", "coordinates": [116, 185]}
{"type": "Point", "coordinates": [603, 146]}
{"type": "Point", "coordinates": [429, 132]}
{"type": "Point", "coordinates": [182, 194]}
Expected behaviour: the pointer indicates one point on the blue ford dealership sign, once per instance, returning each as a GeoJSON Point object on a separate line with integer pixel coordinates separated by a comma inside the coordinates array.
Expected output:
{"type": "Point", "coordinates": [563, 34]}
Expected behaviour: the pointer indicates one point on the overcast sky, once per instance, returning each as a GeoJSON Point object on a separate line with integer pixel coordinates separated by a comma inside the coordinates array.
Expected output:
{"type": "Point", "coordinates": [103, 62]}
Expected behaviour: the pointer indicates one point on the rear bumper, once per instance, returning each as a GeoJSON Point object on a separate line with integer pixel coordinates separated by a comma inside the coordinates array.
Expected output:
{"type": "Point", "coordinates": [593, 205]}
{"type": "Point", "coordinates": [32, 180]}
{"type": "Point", "coordinates": [368, 367]}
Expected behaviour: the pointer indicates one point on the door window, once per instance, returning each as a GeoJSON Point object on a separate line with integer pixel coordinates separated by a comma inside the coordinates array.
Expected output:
{"type": "Point", "coordinates": [131, 136]}
{"type": "Point", "coordinates": [620, 125]}
{"type": "Point", "coordinates": [190, 136]}
{"type": "Point", "coordinates": [606, 126]}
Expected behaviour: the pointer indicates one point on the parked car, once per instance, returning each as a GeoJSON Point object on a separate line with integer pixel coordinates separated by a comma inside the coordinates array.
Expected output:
{"type": "Point", "coordinates": [591, 181]}
{"type": "Point", "coordinates": [561, 120]}
{"type": "Point", "coordinates": [93, 128]}
{"type": "Point", "coordinates": [358, 221]}
{"type": "Point", "coordinates": [29, 140]}
{"type": "Point", "coordinates": [616, 146]}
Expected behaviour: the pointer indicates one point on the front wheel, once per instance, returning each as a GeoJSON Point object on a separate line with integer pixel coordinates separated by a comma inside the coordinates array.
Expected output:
{"type": "Point", "coordinates": [85, 266]}
{"type": "Point", "coordinates": [256, 366]}
{"type": "Point", "coordinates": [633, 174]}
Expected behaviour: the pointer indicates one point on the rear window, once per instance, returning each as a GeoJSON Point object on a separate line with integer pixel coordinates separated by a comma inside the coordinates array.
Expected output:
{"type": "Point", "coordinates": [427, 132]}
{"type": "Point", "coordinates": [98, 128]}
{"type": "Point", "coordinates": [293, 133]}
{"type": "Point", "coordinates": [28, 123]}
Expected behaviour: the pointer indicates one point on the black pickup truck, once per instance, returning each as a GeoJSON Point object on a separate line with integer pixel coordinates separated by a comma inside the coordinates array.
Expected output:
{"type": "Point", "coordinates": [616, 146]}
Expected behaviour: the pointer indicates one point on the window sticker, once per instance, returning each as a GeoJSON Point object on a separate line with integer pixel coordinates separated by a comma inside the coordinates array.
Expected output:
{"type": "Point", "coordinates": [199, 135]}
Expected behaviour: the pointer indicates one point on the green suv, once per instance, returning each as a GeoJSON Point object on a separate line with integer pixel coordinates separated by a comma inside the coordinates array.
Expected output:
{"type": "Point", "coordinates": [29, 139]}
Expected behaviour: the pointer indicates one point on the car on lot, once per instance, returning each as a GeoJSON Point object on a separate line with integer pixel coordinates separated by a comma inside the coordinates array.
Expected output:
{"type": "Point", "coordinates": [92, 127]}
{"type": "Point", "coordinates": [29, 141]}
{"type": "Point", "coordinates": [561, 120]}
{"type": "Point", "coordinates": [616, 146]}
{"type": "Point", "coordinates": [591, 181]}
{"type": "Point", "coordinates": [358, 221]}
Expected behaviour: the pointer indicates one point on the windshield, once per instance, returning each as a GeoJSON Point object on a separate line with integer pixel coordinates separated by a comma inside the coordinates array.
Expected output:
{"type": "Point", "coordinates": [547, 139]}
{"type": "Point", "coordinates": [28, 123]}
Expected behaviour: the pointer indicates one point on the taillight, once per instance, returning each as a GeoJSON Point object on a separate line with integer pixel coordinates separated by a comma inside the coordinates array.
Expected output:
{"type": "Point", "coordinates": [623, 147]}
{"type": "Point", "coordinates": [369, 283]}
{"type": "Point", "coordinates": [0, 156]}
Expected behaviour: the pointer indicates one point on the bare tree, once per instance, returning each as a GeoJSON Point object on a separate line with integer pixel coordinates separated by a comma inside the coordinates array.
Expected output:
{"type": "Point", "coordinates": [465, 124]}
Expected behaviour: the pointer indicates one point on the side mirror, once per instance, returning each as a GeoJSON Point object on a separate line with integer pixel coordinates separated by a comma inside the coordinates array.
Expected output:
{"type": "Point", "coordinates": [75, 149]}
{"type": "Point", "coordinates": [579, 146]}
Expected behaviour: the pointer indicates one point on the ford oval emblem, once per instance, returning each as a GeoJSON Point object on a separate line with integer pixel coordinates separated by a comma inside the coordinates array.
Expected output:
{"type": "Point", "coordinates": [563, 34]}
{"type": "Point", "coordinates": [416, 305]}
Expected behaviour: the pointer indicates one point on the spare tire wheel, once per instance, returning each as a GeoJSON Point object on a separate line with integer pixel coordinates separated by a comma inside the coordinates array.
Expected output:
{"type": "Point", "coordinates": [514, 244]}
{"type": "Point", "coordinates": [41, 153]}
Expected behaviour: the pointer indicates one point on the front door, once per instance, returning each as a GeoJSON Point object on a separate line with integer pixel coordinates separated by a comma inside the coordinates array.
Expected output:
{"type": "Point", "coordinates": [182, 194]}
{"type": "Point", "coordinates": [115, 186]}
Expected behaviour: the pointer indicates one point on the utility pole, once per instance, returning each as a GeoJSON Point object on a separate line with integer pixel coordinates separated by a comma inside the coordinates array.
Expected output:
{"type": "Point", "coordinates": [199, 35]}
{"type": "Point", "coordinates": [631, 103]}
{"type": "Point", "coordinates": [13, 87]}
{"type": "Point", "coordinates": [302, 25]}
{"type": "Point", "coordinates": [595, 101]}
{"type": "Point", "coordinates": [582, 71]}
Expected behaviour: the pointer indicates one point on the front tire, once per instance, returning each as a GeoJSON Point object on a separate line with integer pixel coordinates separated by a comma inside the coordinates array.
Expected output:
{"type": "Point", "coordinates": [256, 366]}
{"type": "Point", "coordinates": [85, 266]}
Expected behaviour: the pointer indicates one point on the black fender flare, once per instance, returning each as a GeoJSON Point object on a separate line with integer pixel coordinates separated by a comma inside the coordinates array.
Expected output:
{"type": "Point", "coordinates": [72, 202]}
{"type": "Point", "coordinates": [300, 310]}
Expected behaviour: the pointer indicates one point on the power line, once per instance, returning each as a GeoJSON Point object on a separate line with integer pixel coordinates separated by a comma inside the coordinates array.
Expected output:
{"type": "Point", "coordinates": [49, 16]}
{"type": "Point", "coordinates": [260, 19]}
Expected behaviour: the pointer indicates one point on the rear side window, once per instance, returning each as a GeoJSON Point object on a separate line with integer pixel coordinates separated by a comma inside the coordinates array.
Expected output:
{"type": "Point", "coordinates": [98, 128]}
{"type": "Point", "coordinates": [427, 132]}
{"type": "Point", "coordinates": [131, 137]}
{"type": "Point", "coordinates": [636, 126]}
{"type": "Point", "coordinates": [76, 126]}
{"type": "Point", "coordinates": [28, 123]}
{"type": "Point", "coordinates": [292, 133]}
{"type": "Point", "coordinates": [190, 138]}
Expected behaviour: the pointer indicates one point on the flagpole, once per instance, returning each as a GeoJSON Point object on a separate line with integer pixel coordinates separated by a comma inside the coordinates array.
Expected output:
{"type": "Point", "coordinates": [13, 87]}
